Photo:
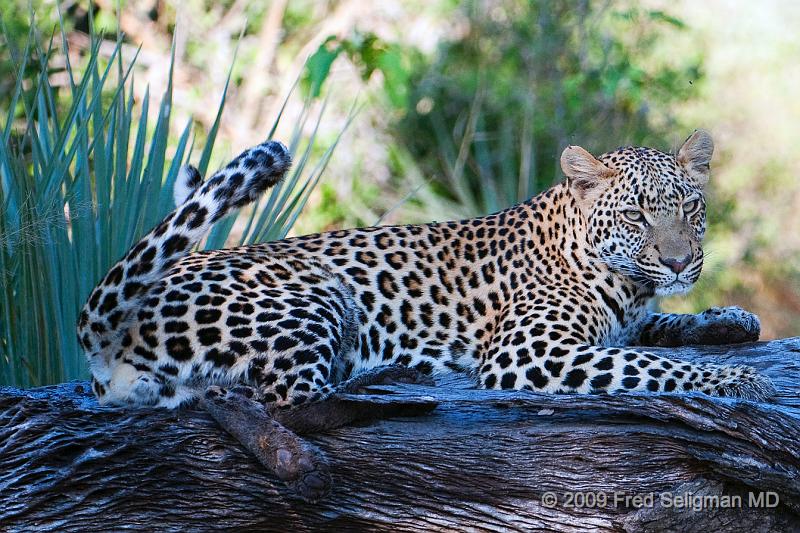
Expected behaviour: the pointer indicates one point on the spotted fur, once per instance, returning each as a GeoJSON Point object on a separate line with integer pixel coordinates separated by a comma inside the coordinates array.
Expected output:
{"type": "Point", "coordinates": [550, 295]}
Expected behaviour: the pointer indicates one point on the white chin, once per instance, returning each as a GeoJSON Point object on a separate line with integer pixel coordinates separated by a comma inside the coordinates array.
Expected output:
{"type": "Point", "coordinates": [676, 287]}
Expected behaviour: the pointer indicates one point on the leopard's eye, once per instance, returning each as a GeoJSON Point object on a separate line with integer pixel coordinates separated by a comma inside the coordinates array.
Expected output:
{"type": "Point", "coordinates": [690, 207]}
{"type": "Point", "coordinates": [635, 216]}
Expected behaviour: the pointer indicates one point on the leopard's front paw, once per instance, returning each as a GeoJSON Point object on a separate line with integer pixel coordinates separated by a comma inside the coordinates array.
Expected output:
{"type": "Point", "coordinates": [725, 325]}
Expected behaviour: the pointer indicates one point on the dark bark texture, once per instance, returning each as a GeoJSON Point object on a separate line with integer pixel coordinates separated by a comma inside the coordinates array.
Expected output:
{"type": "Point", "coordinates": [466, 460]}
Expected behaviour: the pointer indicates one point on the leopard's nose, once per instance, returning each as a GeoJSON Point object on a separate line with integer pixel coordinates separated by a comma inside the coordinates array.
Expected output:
{"type": "Point", "coordinates": [675, 264]}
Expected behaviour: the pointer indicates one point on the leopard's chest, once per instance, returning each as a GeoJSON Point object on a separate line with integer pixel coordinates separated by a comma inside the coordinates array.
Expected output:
{"type": "Point", "coordinates": [618, 313]}
{"type": "Point", "coordinates": [617, 335]}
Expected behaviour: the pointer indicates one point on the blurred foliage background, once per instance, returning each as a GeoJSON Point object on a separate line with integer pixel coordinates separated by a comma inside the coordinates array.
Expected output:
{"type": "Point", "coordinates": [462, 108]}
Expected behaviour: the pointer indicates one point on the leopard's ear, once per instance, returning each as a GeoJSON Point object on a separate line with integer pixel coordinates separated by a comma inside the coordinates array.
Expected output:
{"type": "Point", "coordinates": [586, 175]}
{"type": "Point", "coordinates": [695, 156]}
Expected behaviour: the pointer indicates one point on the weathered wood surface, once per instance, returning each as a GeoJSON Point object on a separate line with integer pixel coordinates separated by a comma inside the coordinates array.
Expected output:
{"type": "Point", "coordinates": [481, 461]}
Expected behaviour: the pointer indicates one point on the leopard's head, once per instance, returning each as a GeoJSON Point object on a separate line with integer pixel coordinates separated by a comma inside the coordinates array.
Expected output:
{"type": "Point", "coordinates": [645, 210]}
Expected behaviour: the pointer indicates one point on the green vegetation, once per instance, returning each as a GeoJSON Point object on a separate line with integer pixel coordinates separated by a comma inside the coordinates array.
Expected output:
{"type": "Point", "coordinates": [494, 108]}
{"type": "Point", "coordinates": [84, 173]}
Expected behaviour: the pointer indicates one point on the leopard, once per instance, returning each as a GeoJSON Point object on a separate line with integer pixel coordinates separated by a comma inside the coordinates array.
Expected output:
{"type": "Point", "coordinates": [553, 295]}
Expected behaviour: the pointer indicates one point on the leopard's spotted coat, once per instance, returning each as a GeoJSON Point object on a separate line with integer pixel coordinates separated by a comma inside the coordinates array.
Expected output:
{"type": "Point", "coordinates": [549, 295]}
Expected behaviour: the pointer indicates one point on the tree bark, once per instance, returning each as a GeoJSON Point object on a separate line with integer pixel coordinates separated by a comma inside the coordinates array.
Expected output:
{"type": "Point", "coordinates": [481, 461]}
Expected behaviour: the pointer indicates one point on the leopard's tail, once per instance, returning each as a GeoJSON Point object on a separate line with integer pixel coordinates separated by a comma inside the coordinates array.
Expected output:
{"type": "Point", "coordinates": [110, 307]}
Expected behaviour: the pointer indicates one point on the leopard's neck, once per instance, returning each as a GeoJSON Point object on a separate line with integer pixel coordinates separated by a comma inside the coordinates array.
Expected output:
{"type": "Point", "coordinates": [557, 222]}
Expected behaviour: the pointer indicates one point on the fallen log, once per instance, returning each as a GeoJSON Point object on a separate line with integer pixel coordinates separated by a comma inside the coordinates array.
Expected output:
{"type": "Point", "coordinates": [481, 460]}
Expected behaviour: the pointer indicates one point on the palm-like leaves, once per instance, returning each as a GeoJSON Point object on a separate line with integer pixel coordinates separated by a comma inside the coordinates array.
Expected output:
{"type": "Point", "coordinates": [83, 177]}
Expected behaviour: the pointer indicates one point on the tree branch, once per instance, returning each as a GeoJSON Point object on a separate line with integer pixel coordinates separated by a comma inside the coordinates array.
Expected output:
{"type": "Point", "coordinates": [481, 459]}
